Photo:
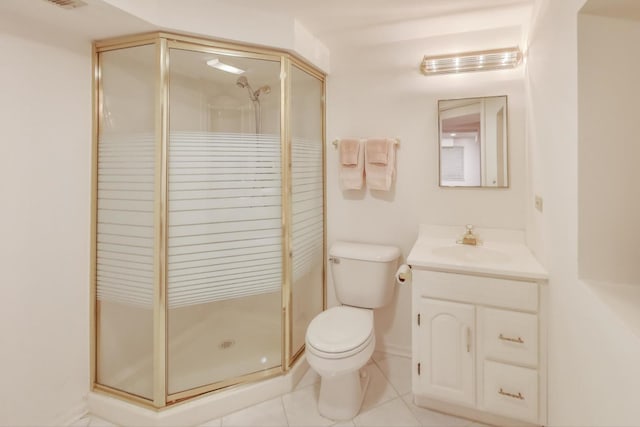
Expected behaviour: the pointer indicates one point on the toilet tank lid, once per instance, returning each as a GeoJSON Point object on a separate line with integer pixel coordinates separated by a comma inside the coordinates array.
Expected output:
{"type": "Point", "coordinates": [364, 251]}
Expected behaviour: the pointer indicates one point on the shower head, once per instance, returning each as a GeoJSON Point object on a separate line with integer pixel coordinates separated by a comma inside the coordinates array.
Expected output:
{"type": "Point", "coordinates": [266, 89]}
{"type": "Point", "coordinates": [254, 95]}
{"type": "Point", "coordinates": [242, 82]}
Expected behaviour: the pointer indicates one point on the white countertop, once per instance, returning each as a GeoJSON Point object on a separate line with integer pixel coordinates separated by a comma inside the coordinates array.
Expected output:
{"type": "Point", "coordinates": [501, 253]}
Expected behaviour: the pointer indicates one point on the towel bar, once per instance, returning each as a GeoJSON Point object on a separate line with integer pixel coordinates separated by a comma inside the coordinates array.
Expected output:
{"type": "Point", "coordinates": [335, 142]}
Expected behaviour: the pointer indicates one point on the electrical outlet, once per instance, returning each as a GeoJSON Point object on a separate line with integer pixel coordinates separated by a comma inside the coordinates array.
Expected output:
{"type": "Point", "coordinates": [538, 203]}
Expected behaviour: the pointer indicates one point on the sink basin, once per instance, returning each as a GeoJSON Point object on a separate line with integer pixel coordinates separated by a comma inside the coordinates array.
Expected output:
{"type": "Point", "coordinates": [502, 253]}
{"type": "Point", "coordinates": [467, 253]}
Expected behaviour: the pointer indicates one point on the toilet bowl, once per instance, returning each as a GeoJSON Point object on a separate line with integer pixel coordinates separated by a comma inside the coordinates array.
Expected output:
{"type": "Point", "coordinates": [341, 340]}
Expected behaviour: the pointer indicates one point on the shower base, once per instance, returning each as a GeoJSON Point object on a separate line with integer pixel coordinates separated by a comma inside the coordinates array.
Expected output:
{"type": "Point", "coordinates": [198, 410]}
{"type": "Point", "coordinates": [207, 343]}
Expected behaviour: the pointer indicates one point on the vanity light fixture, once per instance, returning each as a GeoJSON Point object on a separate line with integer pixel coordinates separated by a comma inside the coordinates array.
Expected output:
{"type": "Point", "coordinates": [215, 63]}
{"type": "Point", "coordinates": [483, 60]}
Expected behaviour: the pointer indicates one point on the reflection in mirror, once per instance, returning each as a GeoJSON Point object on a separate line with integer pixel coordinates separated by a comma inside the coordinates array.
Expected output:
{"type": "Point", "coordinates": [473, 142]}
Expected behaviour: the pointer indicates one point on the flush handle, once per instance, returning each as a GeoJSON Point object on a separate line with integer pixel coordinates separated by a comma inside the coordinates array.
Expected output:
{"type": "Point", "coordinates": [334, 260]}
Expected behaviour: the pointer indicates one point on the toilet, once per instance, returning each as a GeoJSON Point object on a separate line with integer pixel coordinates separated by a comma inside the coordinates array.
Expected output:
{"type": "Point", "coordinates": [340, 340]}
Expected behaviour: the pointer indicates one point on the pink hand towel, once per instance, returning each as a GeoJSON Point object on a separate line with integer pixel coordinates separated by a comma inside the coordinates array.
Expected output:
{"type": "Point", "coordinates": [349, 149]}
{"type": "Point", "coordinates": [380, 176]}
{"type": "Point", "coordinates": [352, 175]}
{"type": "Point", "coordinates": [377, 151]}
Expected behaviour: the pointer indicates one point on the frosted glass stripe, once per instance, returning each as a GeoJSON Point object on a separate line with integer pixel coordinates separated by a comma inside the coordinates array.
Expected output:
{"type": "Point", "coordinates": [119, 186]}
{"type": "Point", "coordinates": [247, 177]}
{"type": "Point", "coordinates": [307, 207]}
{"type": "Point", "coordinates": [187, 250]}
{"type": "Point", "coordinates": [125, 218]}
{"type": "Point", "coordinates": [241, 275]}
{"type": "Point", "coordinates": [222, 256]}
{"type": "Point", "coordinates": [224, 216]}
{"type": "Point", "coordinates": [224, 185]}
{"type": "Point", "coordinates": [259, 261]}
{"type": "Point", "coordinates": [236, 262]}
{"type": "Point", "coordinates": [126, 178]}
{"type": "Point", "coordinates": [220, 228]}
{"type": "Point", "coordinates": [107, 269]}
{"type": "Point", "coordinates": [239, 236]}
{"type": "Point", "coordinates": [214, 242]}
{"type": "Point", "coordinates": [124, 230]}
{"type": "Point", "coordinates": [224, 193]}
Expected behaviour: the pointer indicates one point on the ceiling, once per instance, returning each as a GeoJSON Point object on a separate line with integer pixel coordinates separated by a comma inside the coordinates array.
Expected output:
{"type": "Point", "coordinates": [335, 23]}
{"type": "Point", "coordinates": [328, 18]}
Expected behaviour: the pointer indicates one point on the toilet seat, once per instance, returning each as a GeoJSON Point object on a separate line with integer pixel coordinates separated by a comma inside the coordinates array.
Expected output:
{"type": "Point", "coordinates": [340, 332]}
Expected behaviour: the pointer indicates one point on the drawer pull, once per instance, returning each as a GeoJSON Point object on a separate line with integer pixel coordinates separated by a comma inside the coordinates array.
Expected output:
{"type": "Point", "coordinates": [468, 339]}
{"type": "Point", "coordinates": [515, 396]}
{"type": "Point", "coordinates": [516, 340]}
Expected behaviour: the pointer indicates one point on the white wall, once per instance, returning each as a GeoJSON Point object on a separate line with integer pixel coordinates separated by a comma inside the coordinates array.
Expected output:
{"type": "Point", "coordinates": [45, 183]}
{"type": "Point", "coordinates": [609, 199]}
{"type": "Point", "coordinates": [379, 91]}
{"type": "Point", "coordinates": [593, 369]}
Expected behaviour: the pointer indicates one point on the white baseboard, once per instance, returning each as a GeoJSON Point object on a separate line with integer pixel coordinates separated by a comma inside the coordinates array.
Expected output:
{"type": "Point", "coordinates": [393, 349]}
{"type": "Point", "coordinates": [73, 415]}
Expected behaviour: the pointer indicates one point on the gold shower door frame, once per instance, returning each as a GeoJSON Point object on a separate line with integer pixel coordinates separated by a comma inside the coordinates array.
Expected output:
{"type": "Point", "coordinates": [163, 42]}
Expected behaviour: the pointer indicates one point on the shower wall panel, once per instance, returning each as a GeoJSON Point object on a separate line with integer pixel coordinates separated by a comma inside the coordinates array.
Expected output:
{"type": "Point", "coordinates": [125, 220]}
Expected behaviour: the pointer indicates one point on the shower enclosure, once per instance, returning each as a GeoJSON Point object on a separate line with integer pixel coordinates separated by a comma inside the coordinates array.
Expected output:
{"type": "Point", "coordinates": [208, 216]}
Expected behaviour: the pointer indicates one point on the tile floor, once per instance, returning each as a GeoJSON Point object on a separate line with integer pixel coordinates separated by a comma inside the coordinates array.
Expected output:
{"type": "Point", "coordinates": [388, 402]}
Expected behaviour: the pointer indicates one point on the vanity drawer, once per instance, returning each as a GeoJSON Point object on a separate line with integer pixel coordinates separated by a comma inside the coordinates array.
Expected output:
{"type": "Point", "coordinates": [509, 336]}
{"type": "Point", "coordinates": [503, 293]}
{"type": "Point", "coordinates": [511, 391]}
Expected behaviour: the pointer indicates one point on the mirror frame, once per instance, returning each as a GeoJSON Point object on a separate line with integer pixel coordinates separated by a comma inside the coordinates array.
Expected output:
{"type": "Point", "coordinates": [506, 152]}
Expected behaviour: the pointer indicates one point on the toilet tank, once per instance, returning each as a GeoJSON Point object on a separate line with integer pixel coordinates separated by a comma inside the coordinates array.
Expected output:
{"type": "Point", "coordinates": [363, 274]}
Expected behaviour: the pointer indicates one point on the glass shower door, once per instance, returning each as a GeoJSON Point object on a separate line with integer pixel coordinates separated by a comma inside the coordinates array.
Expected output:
{"type": "Point", "coordinates": [307, 203]}
{"type": "Point", "coordinates": [224, 219]}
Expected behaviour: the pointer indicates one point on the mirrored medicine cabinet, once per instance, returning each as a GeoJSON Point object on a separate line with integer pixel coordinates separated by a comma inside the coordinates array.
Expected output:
{"type": "Point", "coordinates": [473, 142]}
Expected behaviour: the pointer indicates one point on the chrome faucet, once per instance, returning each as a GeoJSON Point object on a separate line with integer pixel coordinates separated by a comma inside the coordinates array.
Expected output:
{"type": "Point", "coordinates": [469, 238]}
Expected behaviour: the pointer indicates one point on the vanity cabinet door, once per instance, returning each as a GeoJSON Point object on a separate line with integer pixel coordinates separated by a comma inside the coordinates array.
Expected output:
{"type": "Point", "coordinates": [446, 351]}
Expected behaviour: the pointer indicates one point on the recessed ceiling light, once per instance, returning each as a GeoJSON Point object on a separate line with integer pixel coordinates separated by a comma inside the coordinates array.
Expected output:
{"type": "Point", "coordinates": [484, 60]}
{"type": "Point", "coordinates": [215, 63]}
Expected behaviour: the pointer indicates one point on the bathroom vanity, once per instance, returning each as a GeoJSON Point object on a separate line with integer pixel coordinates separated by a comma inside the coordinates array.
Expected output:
{"type": "Point", "coordinates": [479, 327]}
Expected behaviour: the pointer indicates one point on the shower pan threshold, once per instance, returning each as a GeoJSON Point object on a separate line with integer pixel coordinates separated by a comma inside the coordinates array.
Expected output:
{"type": "Point", "coordinates": [197, 410]}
